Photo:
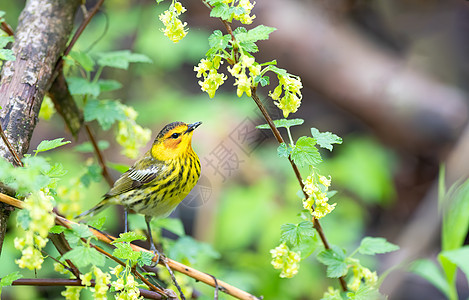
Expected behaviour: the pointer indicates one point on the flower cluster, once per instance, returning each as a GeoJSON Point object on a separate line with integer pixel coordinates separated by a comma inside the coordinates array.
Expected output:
{"type": "Point", "coordinates": [238, 71]}
{"type": "Point", "coordinates": [243, 12]}
{"type": "Point", "coordinates": [212, 79]}
{"type": "Point", "coordinates": [174, 28]}
{"type": "Point", "coordinates": [316, 187]}
{"type": "Point", "coordinates": [359, 273]}
{"type": "Point", "coordinates": [285, 260]}
{"type": "Point", "coordinates": [39, 220]}
{"type": "Point", "coordinates": [130, 135]}
{"type": "Point", "coordinates": [332, 294]}
{"type": "Point", "coordinates": [71, 292]}
{"type": "Point", "coordinates": [69, 198]}
{"type": "Point", "coordinates": [291, 99]}
{"type": "Point", "coordinates": [101, 280]}
{"type": "Point", "coordinates": [125, 284]}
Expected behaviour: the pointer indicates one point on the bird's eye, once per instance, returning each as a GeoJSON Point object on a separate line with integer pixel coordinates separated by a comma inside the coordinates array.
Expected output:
{"type": "Point", "coordinates": [175, 135]}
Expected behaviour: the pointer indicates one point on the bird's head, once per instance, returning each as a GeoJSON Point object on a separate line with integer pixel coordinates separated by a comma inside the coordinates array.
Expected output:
{"type": "Point", "coordinates": [173, 141]}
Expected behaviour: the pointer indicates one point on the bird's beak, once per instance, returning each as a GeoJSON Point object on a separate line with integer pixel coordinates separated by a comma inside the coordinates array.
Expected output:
{"type": "Point", "coordinates": [192, 126]}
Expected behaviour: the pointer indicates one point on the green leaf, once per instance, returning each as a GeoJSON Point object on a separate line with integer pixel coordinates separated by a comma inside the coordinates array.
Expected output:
{"type": "Point", "coordinates": [334, 259]}
{"type": "Point", "coordinates": [81, 86]}
{"type": "Point", "coordinates": [23, 218]}
{"type": "Point", "coordinates": [125, 251]}
{"type": "Point", "coordinates": [109, 85]}
{"type": "Point", "coordinates": [460, 258]}
{"type": "Point", "coordinates": [82, 230]}
{"type": "Point", "coordinates": [305, 153]}
{"type": "Point", "coordinates": [106, 112]}
{"type": "Point", "coordinates": [83, 59]}
{"type": "Point", "coordinates": [93, 174]}
{"type": "Point", "coordinates": [97, 222]}
{"type": "Point", "coordinates": [57, 229]}
{"type": "Point", "coordinates": [56, 170]}
{"type": "Point", "coordinates": [284, 150]}
{"type": "Point", "coordinates": [325, 139]}
{"type": "Point", "coordinates": [278, 71]}
{"type": "Point", "coordinates": [145, 258]}
{"type": "Point", "coordinates": [287, 123]}
{"type": "Point", "coordinates": [258, 33]}
{"type": "Point", "coordinates": [455, 217]}
{"type": "Point", "coordinates": [220, 10]}
{"type": "Point", "coordinates": [129, 236]}
{"type": "Point", "coordinates": [218, 41]}
{"type": "Point", "coordinates": [121, 59]}
{"type": "Point", "coordinates": [295, 234]}
{"type": "Point", "coordinates": [83, 256]}
{"type": "Point", "coordinates": [364, 292]}
{"type": "Point", "coordinates": [8, 279]}
{"type": "Point", "coordinates": [263, 80]}
{"type": "Point", "coordinates": [87, 147]}
{"type": "Point", "coordinates": [428, 270]}
{"type": "Point", "coordinates": [7, 55]}
{"type": "Point", "coordinates": [49, 145]}
{"type": "Point", "coordinates": [372, 246]}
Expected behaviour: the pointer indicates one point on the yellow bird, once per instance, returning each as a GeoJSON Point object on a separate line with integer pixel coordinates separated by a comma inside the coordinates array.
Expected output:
{"type": "Point", "coordinates": [158, 181]}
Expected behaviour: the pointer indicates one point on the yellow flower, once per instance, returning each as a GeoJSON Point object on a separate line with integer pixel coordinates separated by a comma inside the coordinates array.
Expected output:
{"type": "Point", "coordinates": [174, 28]}
{"type": "Point", "coordinates": [286, 260]}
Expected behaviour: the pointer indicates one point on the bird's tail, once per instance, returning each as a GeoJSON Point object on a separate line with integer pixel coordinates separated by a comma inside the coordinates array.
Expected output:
{"type": "Point", "coordinates": [93, 211]}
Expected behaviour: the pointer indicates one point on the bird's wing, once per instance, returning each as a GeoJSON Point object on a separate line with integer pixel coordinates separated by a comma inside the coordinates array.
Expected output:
{"type": "Point", "coordinates": [139, 174]}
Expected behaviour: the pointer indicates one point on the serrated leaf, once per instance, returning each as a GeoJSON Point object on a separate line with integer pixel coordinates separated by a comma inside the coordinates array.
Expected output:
{"type": "Point", "coordinates": [372, 246]}
{"type": "Point", "coordinates": [106, 85]}
{"type": "Point", "coordinates": [220, 10]}
{"type": "Point", "coordinates": [8, 279]}
{"type": "Point", "coordinates": [325, 139]}
{"type": "Point", "coordinates": [83, 59]}
{"type": "Point", "coordinates": [81, 86]}
{"type": "Point", "coordinates": [82, 230]}
{"type": "Point", "coordinates": [305, 153]}
{"type": "Point", "coordinates": [295, 234]}
{"type": "Point", "coordinates": [334, 259]}
{"type": "Point", "coordinates": [258, 33]}
{"type": "Point", "coordinates": [87, 147]}
{"type": "Point", "coordinates": [83, 256]}
{"type": "Point", "coordinates": [284, 150]}
{"type": "Point", "coordinates": [278, 71]}
{"type": "Point", "coordinates": [287, 123]}
{"type": "Point", "coordinates": [106, 112]}
{"type": "Point", "coordinates": [56, 170]}
{"type": "Point", "coordinates": [218, 41]}
{"type": "Point", "coordinates": [428, 270]}
{"type": "Point", "coordinates": [57, 229]}
{"type": "Point", "coordinates": [145, 258]}
{"type": "Point", "coordinates": [97, 222]}
{"type": "Point", "coordinates": [121, 59]}
{"type": "Point", "coordinates": [129, 236]}
{"type": "Point", "coordinates": [47, 145]}
{"type": "Point", "coordinates": [125, 251]}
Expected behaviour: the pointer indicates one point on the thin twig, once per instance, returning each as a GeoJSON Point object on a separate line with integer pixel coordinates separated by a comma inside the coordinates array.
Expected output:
{"type": "Point", "coordinates": [181, 294]}
{"type": "Point", "coordinates": [77, 34]}
{"type": "Point", "coordinates": [61, 221]}
{"type": "Point", "coordinates": [73, 282]}
{"type": "Point", "coordinates": [10, 147]}
{"type": "Point", "coordinates": [100, 156]}
{"type": "Point", "coordinates": [7, 28]}
{"type": "Point", "coordinates": [215, 296]}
